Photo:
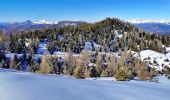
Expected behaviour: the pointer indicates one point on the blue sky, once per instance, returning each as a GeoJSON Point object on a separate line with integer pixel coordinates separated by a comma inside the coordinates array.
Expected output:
{"type": "Point", "coordinates": [86, 10]}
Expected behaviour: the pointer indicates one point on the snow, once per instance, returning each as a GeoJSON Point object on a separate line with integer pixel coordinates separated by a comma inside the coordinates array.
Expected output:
{"type": "Point", "coordinates": [28, 86]}
{"type": "Point", "coordinates": [42, 48]}
{"type": "Point", "coordinates": [88, 45]}
{"type": "Point", "coordinates": [96, 45]}
{"type": "Point", "coordinates": [102, 79]}
{"type": "Point", "coordinates": [60, 54]}
{"type": "Point", "coordinates": [44, 22]}
{"type": "Point", "coordinates": [168, 49]}
{"type": "Point", "coordinates": [27, 44]}
{"type": "Point", "coordinates": [118, 34]}
{"type": "Point", "coordinates": [60, 37]}
{"type": "Point", "coordinates": [150, 56]}
{"type": "Point", "coordinates": [9, 55]}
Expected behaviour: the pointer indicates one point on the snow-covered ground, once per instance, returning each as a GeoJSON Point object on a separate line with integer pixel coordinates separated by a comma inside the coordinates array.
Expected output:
{"type": "Point", "coordinates": [88, 45]}
{"type": "Point", "coordinates": [157, 60]}
{"type": "Point", "coordinates": [168, 49]}
{"type": "Point", "coordinates": [28, 86]}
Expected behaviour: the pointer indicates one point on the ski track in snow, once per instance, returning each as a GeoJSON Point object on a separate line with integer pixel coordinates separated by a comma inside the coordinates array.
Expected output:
{"type": "Point", "coordinates": [28, 86]}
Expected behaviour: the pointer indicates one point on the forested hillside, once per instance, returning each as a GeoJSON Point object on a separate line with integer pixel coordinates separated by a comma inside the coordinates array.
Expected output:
{"type": "Point", "coordinates": [111, 34]}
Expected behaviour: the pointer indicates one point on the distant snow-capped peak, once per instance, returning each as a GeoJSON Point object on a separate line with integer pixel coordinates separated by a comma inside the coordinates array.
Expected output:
{"type": "Point", "coordinates": [139, 21]}
{"type": "Point", "coordinates": [44, 22]}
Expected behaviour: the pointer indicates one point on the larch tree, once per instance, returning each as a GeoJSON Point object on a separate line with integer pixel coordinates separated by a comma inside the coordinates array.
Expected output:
{"type": "Point", "coordinates": [69, 64]}
{"type": "Point", "coordinates": [82, 70]}
{"type": "Point", "coordinates": [12, 64]}
{"type": "Point", "coordinates": [45, 68]}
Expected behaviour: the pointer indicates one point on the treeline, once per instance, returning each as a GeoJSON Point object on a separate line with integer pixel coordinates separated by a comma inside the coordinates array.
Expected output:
{"type": "Point", "coordinates": [89, 64]}
{"type": "Point", "coordinates": [96, 64]}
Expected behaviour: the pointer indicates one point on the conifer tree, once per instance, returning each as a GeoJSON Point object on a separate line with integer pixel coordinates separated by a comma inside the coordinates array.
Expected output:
{"type": "Point", "coordinates": [82, 70]}
{"type": "Point", "coordinates": [12, 63]}
{"type": "Point", "coordinates": [69, 64]}
{"type": "Point", "coordinates": [45, 68]}
{"type": "Point", "coordinates": [78, 72]}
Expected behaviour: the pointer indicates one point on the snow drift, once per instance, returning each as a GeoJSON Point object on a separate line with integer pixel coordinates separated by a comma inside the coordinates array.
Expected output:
{"type": "Point", "coordinates": [28, 86]}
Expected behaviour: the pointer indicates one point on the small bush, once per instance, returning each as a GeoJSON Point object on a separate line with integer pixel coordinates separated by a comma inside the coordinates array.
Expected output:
{"type": "Point", "coordinates": [166, 60]}
{"type": "Point", "coordinates": [168, 77]}
{"type": "Point", "coordinates": [122, 74]}
{"type": "Point", "coordinates": [166, 70]}
{"type": "Point", "coordinates": [143, 75]}
{"type": "Point", "coordinates": [142, 70]}
{"type": "Point", "coordinates": [153, 73]}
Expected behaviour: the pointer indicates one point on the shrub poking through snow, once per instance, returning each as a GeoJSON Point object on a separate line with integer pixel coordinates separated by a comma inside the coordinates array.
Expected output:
{"type": "Point", "coordinates": [34, 68]}
{"type": "Point", "coordinates": [123, 74]}
{"type": "Point", "coordinates": [142, 70]}
{"type": "Point", "coordinates": [153, 73]}
{"type": "Point", "coordinates": [143, 74]}
{"type": "Point", "coordinates": [18, 66]}
{"type": "Point", "coordinates": [166, 70]}
{"type": "Point", "coordinates": [168, 76]}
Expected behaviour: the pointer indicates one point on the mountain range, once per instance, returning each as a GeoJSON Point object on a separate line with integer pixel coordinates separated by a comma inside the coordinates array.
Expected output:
{"type": "Point", "coordinates": [153, 26]}
{"type": "Point", "coordinates": [28, 25]}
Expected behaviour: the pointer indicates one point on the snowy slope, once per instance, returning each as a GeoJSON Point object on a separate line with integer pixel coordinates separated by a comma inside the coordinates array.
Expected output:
{"type": "Point", "coordinates": [29, 86]}
{"type": "Point", "coordinates": [155, 59]}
